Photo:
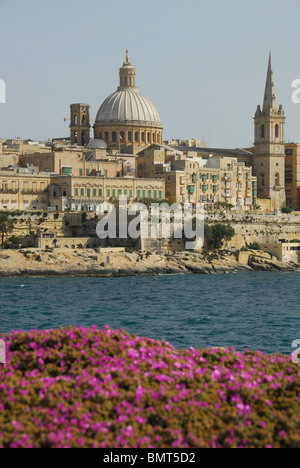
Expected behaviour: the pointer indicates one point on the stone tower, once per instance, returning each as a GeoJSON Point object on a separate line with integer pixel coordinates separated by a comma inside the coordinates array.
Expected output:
{"type": "Point", "coordinates": [80, 124]}
{"type": "Point", "coordinates": [269, 146]}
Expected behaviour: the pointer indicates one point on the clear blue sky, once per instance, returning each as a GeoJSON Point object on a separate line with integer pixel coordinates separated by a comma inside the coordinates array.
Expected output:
{"type": "Point", "coordinates": [203, 63]}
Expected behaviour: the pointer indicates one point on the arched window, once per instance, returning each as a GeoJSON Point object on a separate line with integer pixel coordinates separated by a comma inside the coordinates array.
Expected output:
{"type": "Point", "coordinates": [121, 81]}
{"type": "Point", "coordinates": [122, 136]}
{"type": "Point", "coordinates": [129, 81]}
{"type": "Point", "coordinates": [114, 136]}
{"type": "Point", "coordinates": [153, 137]}
{"type": "Point", "coordinates": [277, 180]}
{"type": "Point", "coordinates": [263, 131]}
{"type": "Point", "coordinates": [136, 136]}
{"type": "Point", "coordinates": [75, 120]}
{"type": "Point", "coordinates": [75, 137]}
{"type": "Point", "coordinates": [83, 119]}
{"type": "Point", "coordinates": [83, 138]}
{"type": "Point", "coordinates": [276, 131]}
{"type": "Point", "coordinates": [148, 137]}
{"type": "Point", "coordinates": [126, 81]}
{"type": "Point", "coordinates": [143, 136]}
{"type": "Point", "coordinates": [129, 136]}
{"type": "Point", "coordinates": [262, 179]}
{"type": "Point", "coordinates": [106, 136]}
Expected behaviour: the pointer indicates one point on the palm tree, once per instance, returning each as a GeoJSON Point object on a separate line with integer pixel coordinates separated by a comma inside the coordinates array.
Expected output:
{"type": "Point", "coordinates": [6, 226]}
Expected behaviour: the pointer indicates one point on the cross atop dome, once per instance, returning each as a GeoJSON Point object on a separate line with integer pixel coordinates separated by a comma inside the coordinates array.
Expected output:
{"type": "Point", "coordinates": [127, 56]}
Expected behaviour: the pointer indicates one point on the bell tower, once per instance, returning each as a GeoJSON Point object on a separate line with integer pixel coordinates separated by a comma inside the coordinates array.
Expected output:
{"type": "Point", "coordinates": [80, 124]}
{"type": "Point", "coordinates": [269, 146]}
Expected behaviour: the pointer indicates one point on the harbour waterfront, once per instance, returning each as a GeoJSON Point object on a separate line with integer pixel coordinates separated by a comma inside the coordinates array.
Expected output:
{"type": "Point", "coordinates": [258, 310]}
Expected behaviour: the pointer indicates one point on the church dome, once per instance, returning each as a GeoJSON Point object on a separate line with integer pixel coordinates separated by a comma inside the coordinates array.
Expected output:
{"type": "Point", "coordinates": [97, 144]}
{"type": "Point", "coordinates": [126, 118]}
{"type": "Point", "coordinates": [128, 105]}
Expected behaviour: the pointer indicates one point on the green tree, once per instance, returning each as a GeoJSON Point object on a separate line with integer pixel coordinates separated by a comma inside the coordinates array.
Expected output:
{"type": "Point", "coordinates": [6, 226]}
{"type": "Point", "coordinates": [216, 235]}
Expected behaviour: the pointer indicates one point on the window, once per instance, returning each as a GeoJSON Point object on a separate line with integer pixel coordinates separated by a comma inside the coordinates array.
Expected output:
{"type": "Point", "coordinates": [155, 194]}
{"type": "Point", "coordinates": [126, 81]}
{"type": "Point", "coordinates": [87, 172]}
{"type": "Point", "coordinates": [88, 192]}
{"type": "Point", "coordinates": [144, 193]}
{"type": "Point", "coordinates": [277, 180]}
{"type": "Point", "coordinates": [130, 193]}
{"type": "Point", "coordinates": [82, 192]}
{"type": "Point", "coordinates": [76, 192]}
{"type": "Point", "coordinates": [122, 136]}
{"type": "Point", "coordinates": [114, 136]}
{"type": "Point", "coordinates": [138, 194]}
{"type": "Point", "coordinates": [263, 131]}
{"type": "Point", "coordinates": [149, 193]}
{"type": "Point", "coordinates": [94, 192]}
{"type": "Point", "coordinates": [262, 178]}
{"type": "Point", "coordinates": [119, 193]}
{"type": "Point", "coordinates": [106, 136]}
{"type": "Point", "coordinates": [125, 193]}
{"type": "Point", "coordinates": [148, 137]}
{"type": "Point", "coordinates": [129, 136]}
{"type": "Point", "coordinates": [276, 131]}
{"type": "Point", "coordinates": [76, 207]}
{"type": "Point", "coordinates": [80, 172]}
{"type": "Point", "coordinates": [136, 136]}
{"type": "Point", "coordinates": [153, 137]}
{"type": "Point", "coordinates": [100, 192]}
{"type": "Point", "coordinates": [114, 193]}
{"type": "Point", "coordinates": [160, 194]}
{"type": "Point", "coordinates": [108, 193]}
{"type": "Point", "coordinates": [143, 136]}
{"type": "Point", "coordinates": [75, 119]}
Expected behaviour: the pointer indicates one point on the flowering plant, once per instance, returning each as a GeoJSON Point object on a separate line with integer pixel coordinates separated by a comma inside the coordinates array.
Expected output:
{"type": "Point", "coordinates": [77, 387]}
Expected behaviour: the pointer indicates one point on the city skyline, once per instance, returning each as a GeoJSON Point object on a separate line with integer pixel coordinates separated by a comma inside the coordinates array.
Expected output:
{"type": "Point", "coordinates": [199, 64]}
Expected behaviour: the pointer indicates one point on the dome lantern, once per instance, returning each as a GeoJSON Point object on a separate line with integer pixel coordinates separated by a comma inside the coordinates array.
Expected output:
{"type": "Point", "coordinates": [127, 74]}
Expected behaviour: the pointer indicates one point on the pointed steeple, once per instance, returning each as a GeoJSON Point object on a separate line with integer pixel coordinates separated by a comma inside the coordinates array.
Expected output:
{"type": "Point", "coordinates": [270, 98]}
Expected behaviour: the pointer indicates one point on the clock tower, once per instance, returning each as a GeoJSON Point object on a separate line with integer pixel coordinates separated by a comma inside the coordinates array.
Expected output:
{"type": "Point", "coordinates": [269, 146]}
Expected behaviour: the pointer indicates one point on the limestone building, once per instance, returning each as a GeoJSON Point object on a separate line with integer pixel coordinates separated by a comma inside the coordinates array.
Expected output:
{"type": "Point", "coordinates": [269, 146]}
{"type": "Point", "coordinates": [292, 175]}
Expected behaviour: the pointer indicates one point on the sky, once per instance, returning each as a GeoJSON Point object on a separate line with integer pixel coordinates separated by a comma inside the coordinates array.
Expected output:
{"type": "Point", "coordinates": [203, 63]}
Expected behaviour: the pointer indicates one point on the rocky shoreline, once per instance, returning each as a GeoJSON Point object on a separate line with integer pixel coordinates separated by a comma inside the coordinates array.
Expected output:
{"type": "Point", "coordinates": [94, 263]}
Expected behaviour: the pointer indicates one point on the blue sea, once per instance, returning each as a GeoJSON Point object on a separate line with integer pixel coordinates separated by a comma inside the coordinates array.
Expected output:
{"type": "Point", "coordinates": [258, 310]}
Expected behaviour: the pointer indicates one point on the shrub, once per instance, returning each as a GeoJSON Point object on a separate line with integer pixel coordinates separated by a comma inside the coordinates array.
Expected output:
{"type": "Point", "coordinates": [78, 387]}
{"type": "Point", "coordinates": [286, 210]}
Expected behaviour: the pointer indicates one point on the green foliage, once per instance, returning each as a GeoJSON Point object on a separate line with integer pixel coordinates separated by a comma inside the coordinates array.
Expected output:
{"type": "Point", "coordinates": [254, 246]}
{"type": "Point", "coordinates": [286, 210]}
{"type": "Point", "coordinates": [6, 226]}
{"type": "Point", "coordinates": [217, 234]}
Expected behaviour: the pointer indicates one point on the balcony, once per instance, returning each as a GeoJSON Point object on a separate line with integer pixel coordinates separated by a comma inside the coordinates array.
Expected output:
{"type": "Point", "coordinates": [12, 191]}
